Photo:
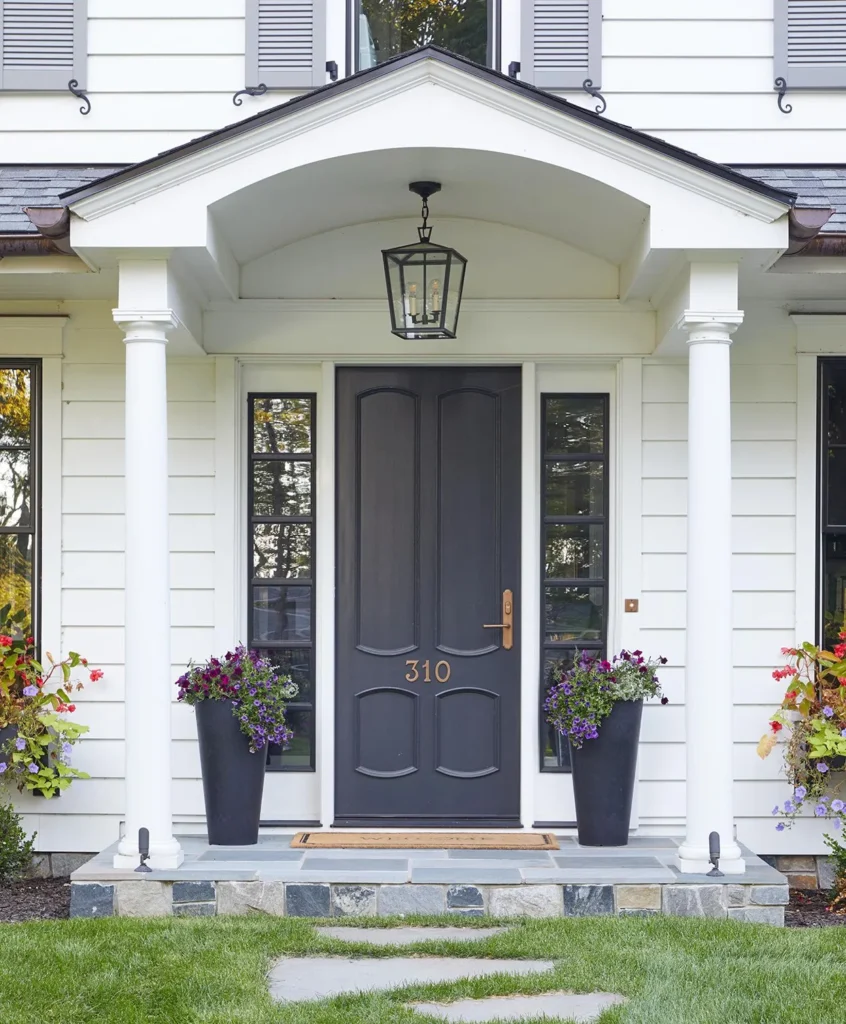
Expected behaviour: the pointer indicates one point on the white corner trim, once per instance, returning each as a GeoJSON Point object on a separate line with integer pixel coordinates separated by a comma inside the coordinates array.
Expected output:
{"type": "Point", "coordinates": [325, 597]}
{"type": "Point", "coordinates": [806, 499]}
{"type": "Point", "coordinates": [227, 499]}
{"type": "Point", "coordinates": [51, 505]}
{"type": "Point", "coordinates": [530, 585]}
{"type": "Point", "coordinates": [523, 107]}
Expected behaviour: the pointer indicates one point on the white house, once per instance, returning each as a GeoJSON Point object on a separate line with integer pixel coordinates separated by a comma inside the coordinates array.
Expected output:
{"type": "Point", "coordinates": [175, 270]}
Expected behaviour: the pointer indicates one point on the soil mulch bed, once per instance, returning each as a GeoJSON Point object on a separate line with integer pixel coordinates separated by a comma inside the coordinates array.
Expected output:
{"type": "Point", "coordinates": [35, 899]}
{"type": "Point", "coordinates": [809, 909]}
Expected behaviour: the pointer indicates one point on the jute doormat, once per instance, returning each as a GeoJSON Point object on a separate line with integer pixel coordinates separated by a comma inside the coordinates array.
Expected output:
{"type": "Point", "coordinates": [424, 841]}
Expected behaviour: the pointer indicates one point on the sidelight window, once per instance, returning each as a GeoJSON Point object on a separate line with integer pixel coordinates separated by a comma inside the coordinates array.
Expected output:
{"type": "Point", "coordinates": [19, 477]}
{"type": "Point", "coordinates": [281, 556]}
{"type": "Point", "coordinates": [574, 533]}
{"type": "Point", "coordinates": [832, 498]}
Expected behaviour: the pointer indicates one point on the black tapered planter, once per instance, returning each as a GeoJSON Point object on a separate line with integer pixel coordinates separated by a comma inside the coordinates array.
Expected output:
{"type": "Point", "coordinates": [233, 778]}
{"type": "Point", "coordinates": [604, 775]}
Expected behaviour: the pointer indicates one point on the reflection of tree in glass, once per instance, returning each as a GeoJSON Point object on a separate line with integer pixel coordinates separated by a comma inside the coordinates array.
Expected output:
{"type": "Point", "coordinates": [574, 426]}
{"type": "Point", "coordinates": [16, 571]}
{"type": "Point", "coordinates": [282, 550]}
{"type": "Point", "coordinates": [15, 549]}
{"type": "Point", "coordinates": [282, 426]}
{"type": "Point", "coordinates": [282, 489]}
{"type": "Point", "coordinates": [401, 25]}
{"type": "Point", "coordinates": [14, 407]}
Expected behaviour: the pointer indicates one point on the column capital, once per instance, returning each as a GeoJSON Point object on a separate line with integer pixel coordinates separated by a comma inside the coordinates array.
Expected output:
{"type": "Point", "coordinates": [145, 324]}
{"type": "Point", "coordinates": [710, 327]}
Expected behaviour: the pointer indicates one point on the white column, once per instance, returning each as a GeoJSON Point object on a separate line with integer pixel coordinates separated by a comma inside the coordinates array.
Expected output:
{"type": "Point", "coordinates": [708, 689]}
{"type": "Point", "coordinates": [149, 682]}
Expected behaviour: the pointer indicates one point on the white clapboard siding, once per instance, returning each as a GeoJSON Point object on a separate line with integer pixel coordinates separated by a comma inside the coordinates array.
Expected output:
{"type": "Point", "coordinates": [91, 494]}
{"type": "Point", "coordinates": [142, 36]}
{"type": "Point", "coordinates": [695, 73]}
{"type": "Point", "coordinates": [105, 382]}
{"type": "Point", "coordinates": [106, 419]}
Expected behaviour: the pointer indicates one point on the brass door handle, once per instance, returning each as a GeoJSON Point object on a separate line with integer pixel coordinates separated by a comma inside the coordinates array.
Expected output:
{"type": "Point", "coordinates": [507, 624]}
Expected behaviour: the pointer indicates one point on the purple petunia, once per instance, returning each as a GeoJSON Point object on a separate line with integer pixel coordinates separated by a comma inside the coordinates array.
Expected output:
{"type": "Point", "coordinates": [20, 743]}
{"type": "Point", "coordinates": [789, 807]}
{"type": "Point", "coordinates": [837, 806]}
{"type": "Point", "coordinates": [800, 792]}
{"type": "Point", "coordinates": [2, 767]}
{"type": "Point", "coordinates": [828, 711]}
{"type": "Point", "coordinates": [30, 691]}
{"type": "Point", "coordinates": [822, 767]}
{"type": "Point", "coordinates": [837, 823]}
{"type": "Point", "coordinates": [780, 827]}
{"type": "Point", "coordinates": [776, 809]}
{"type": "Point", "coordinates": [32, 767]}
{"type": "Point", "coordinates": [820, 810]}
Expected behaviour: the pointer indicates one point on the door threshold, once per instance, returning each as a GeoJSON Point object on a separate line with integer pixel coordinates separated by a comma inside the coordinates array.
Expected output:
{"type": "Point", "coordinates": [428, 823]}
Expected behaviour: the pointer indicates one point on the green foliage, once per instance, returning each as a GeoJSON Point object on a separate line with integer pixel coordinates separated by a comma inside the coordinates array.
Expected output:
{"type": "Point", "coordinates": [15, 848]}
{"type": "Point", "coordinates": [838, 857]}
{"type": "Point", "coordinates": [36, 758]}
{"type": "Point", "coordinates": [582, 697]}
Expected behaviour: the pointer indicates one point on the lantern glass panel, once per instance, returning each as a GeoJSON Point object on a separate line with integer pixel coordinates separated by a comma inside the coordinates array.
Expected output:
{"type": "Point", "coordinates": [425, 289]}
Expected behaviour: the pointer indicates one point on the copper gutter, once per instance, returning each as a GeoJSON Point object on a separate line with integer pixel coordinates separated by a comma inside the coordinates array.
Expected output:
{"type": "Point", "coordinates": [53, 238]}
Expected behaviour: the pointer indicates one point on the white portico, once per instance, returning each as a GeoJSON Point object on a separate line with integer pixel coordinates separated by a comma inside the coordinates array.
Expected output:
{"type": "Point", "coordinates": [590, 249]}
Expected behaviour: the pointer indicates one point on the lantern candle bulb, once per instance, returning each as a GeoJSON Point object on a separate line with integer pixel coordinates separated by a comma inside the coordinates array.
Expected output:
{"type": "Point", "coordinates": [436, 297]}
{"type": "Point", "coordinates": [412, 300]}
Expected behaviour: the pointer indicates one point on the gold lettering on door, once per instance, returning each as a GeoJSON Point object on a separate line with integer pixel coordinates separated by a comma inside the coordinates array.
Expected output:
{"type": "Point", "coordinates": [443, 670]}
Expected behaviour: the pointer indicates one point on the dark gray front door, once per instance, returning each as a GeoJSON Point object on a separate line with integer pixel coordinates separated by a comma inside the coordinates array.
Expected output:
{"type": "Point", "coordinates": [428, 700]}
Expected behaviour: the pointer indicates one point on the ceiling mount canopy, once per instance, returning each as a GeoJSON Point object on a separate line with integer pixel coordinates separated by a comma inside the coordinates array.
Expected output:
{"type": "Point", "coordinates": [424, 280]}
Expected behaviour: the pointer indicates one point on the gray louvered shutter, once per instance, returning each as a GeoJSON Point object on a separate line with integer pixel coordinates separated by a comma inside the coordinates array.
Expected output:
{"type": "Point", "coordinates": [286, 43]}
{"type": "Point", "coordinates": [561, 43]}
{"type": "Point", "coordinates": [810, 43]}
{"type": "Point", "coordinates": [43, 43]}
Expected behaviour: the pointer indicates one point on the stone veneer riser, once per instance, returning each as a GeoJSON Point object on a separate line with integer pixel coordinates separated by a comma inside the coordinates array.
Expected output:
{"type": "Point", "coordinates": [762, 904]}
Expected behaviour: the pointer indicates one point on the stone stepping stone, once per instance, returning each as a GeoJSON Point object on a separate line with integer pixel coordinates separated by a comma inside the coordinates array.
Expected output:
{"type": "Point", "coordinates": [320, 977]}
{"type": "Point", "coordinates": [566, 1005]}
{"type": "Point", "coordinates": [405, 936]}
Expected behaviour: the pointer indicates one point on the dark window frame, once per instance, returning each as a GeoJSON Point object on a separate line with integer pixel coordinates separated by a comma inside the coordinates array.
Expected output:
{"type": "Point", "coordinates": [311, 581]}
{"type": "Point", "coordinates": [600, 646]}
{"type": "Point", "coordinates": [494, 45]}
{"type": "Point", "coordinates": [34, 448]}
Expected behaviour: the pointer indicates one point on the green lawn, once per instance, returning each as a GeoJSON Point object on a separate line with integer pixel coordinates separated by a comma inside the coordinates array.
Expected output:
{"type": "Point", "coordinates": [211, 971]}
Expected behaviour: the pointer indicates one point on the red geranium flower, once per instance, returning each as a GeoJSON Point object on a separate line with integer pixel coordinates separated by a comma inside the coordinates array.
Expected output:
{"type": "Point", "coordinates": [5, 641]}
{"type": "Point", "coordinates": [776, 726]}
{"type": "Point", "coordinates": [71, 707]}
{"type": "Point", "coordinates": [96, 673]}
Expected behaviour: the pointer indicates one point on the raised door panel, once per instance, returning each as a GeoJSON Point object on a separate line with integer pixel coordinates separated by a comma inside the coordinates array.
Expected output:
{"type": "Point", "coordinates": [387, 732]}
{"type": "Point", "coordinates": [387, 512]}
{"type": "Point", "coordinates": [469, 579]}
{"type": "Point", "coordinates": [467, 732]}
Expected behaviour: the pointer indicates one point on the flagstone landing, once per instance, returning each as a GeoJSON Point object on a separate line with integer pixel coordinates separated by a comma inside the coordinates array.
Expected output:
{"type": "Point", "coordinates": [639, 879]}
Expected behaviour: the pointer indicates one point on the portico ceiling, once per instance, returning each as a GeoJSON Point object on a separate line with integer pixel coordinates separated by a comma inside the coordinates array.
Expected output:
{"type": "Point", "coordinates": [477, 185]}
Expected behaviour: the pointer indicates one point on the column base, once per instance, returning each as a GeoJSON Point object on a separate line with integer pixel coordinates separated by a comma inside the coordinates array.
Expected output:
{"type": "Point", "coordinates": [695, 860]}
{"type": "Point", "coordinates": [164, 856]}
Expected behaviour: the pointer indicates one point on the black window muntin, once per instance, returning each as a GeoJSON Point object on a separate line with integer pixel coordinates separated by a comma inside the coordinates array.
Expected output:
{"type": "Point", "coordinates": [551, 650]}
{"type": "Point", "coordinates": [268, 648]}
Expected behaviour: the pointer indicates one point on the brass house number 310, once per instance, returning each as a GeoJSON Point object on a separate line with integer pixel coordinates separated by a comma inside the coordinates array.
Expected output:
{"type": "Point", "coordinates": [442, 672]}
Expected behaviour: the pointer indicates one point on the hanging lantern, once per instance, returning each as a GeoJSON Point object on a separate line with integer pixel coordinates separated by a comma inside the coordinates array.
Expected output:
{"type": "Point", "coordinates": [424, 280]}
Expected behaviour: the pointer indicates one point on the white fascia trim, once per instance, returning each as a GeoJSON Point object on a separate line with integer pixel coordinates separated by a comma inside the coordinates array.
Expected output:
{"type": "Point", "coordinates": [626, 151]}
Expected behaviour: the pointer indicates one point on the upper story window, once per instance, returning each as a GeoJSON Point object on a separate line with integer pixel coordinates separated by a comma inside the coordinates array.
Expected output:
{"type": "Point", "coordinates": [43, 44]}
{"type": "Point", "coordinates": [386, 28]}
{"type": "Point", "coordinates": [810, 43]}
